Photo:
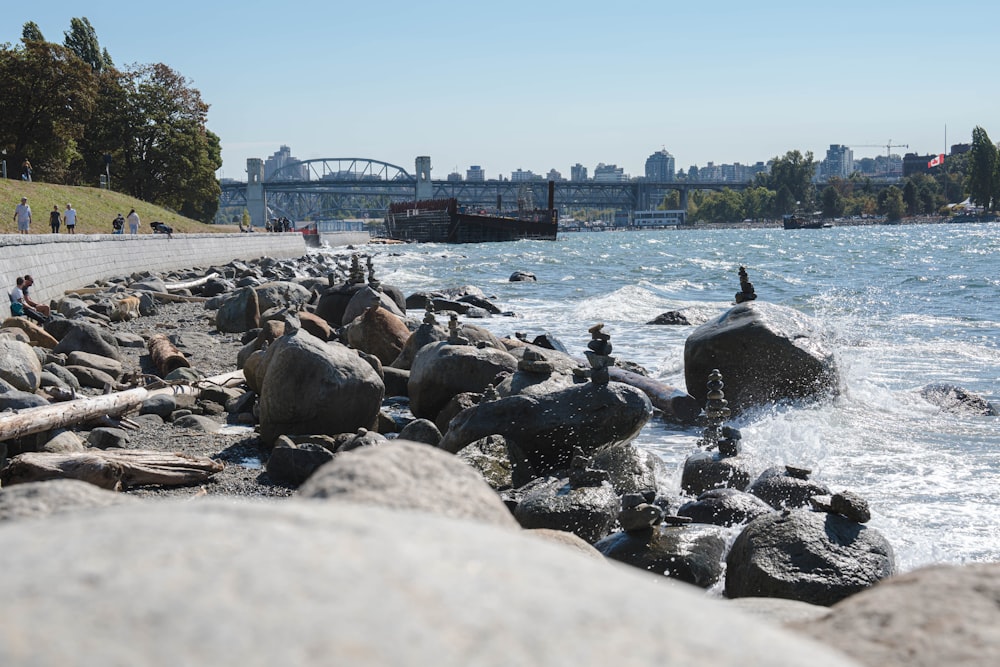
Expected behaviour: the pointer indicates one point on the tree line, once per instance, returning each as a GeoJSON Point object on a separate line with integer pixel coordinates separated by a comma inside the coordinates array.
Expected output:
{"type": "Point", "coordinates": [789, 188]}
{"type": "Point", "coordinates": [76, 116]}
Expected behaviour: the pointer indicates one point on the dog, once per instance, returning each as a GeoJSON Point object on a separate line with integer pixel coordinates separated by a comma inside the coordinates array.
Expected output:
{"type": "Point", "coordinates": [162, 228]}
{"type": "Point", "coordinates": [126, 308]}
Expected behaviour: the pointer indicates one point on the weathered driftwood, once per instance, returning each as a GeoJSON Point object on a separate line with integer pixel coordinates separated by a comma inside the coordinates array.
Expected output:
{"type": "Point", "coordinates": [673, 402]}
{"type": "Point", "coordinates": [166, 357]}
{"type": "Point", "coordinates": [163, 296]}
{"type": "Point", "coordinates": [36, 420]}
{"type": "Point", "coordinates": [173, 287]}
{"type": "Point", "coordinates": [111, 469]}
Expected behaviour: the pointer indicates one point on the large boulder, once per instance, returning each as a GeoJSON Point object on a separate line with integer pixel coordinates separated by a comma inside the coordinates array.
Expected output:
{"type": "Point", "coordinates": [112, 367]}
{"type": "Point", "coordinates": [711, 470]}
{"type": "Point", "coordinates": [450, 593]}
{"type": "Point", "coordinates": [631, 469]}
{"type": "Point", "coordinates": [692, 554]}
{"type": "Point", "coordinates": [956, 400]}
{"type": "Point", "coordinates": [19, 365]}
{"type": "Point", "coordinates": [425, 334]}
{"type": "Point", "coordinates": [377, 331]}
{"type": "Point", "coordinates": [239, 312]}
{"type": "Point", "coordinates": [312, 387]}
{"type": "Point", "coordinates": [782, 487]}
{"type": "Point", "coordinates": [546, 430]}
{"type": "Point", "coordinates": [589, 512]}
{"type": "Point", "coordinates": [442, 370]}
{"type": "Point", "coordinates": [412, 476]}
{"type": "Point", "coordinates": [940, 615]}
{"type": "Point", "coordinates": [36, 334]}
{"type": "Point", "coordinates": [281, 294]}
{"type": "Point", "coordinates": [766, 353]}
{"type": "Point", "coordinates": [813, 557]}
{"type": "Point", "coordinates": [366, 298]}
{"type": "Point", "coordinates": [724, 507]}
{"type": "Point", "coordinates": [34, 500]}
{"type": "Point", "coordinates": [333, 302]}
{"type": "Point", "coordinates": [85, 337]}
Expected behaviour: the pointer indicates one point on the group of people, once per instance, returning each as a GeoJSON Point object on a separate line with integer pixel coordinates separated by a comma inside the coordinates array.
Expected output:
{"type": "Point", "coordinates": [22, 217]}
{"type": "Point", "coordinates": [21, 304]}
{"type": "Point", "coordinates": [118, 224]}
{"type": "Point", "coordinates": [278, 225]}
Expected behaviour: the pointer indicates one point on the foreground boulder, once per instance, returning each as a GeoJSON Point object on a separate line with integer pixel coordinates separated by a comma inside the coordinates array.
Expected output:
{"type": "Point", "coordinates": [409, 475]}
{"type": "Point", "coordinates": [942, 615]}
{"type": "Point", "coordinates": [450, 593]}
{"type": "Point", "coordinates": [807, 556]}
{"type": "Point", "coordinates": [310, 387]}
{"type": "Point", "coordinates": [767, 353]}
{"type": "Point", "coordinates": [19, 365]}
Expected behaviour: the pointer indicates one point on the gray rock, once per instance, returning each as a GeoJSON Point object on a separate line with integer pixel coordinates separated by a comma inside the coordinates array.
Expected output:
{"type": "Point", "coordinates": [35, 500]}
{"type": "Point", "coordinates": [150, 284]}
{"type": "Point", "coordinates": [365, 298]}
{"type": "Point", "coordinates": [19, 365]}
{"type": "Point", "coordinates": [489, 456]}
{"type": "Point", "coordinates": [239, 312]}
{"type": "Point", "coordinates": [344, 392]}
{"type": "Point", "coordinates": [158, 404]}
{"type": "Point", "coordinates": [780, 490]}
{"type": "Point", "coordinates": [112, 367]}
{"type": "Point", "coordinates": [281, 294]}
{"type": "Point", "coordinates": [91, 377]}
{"type": "Point", "coordinates": [425, 334]}
{"type": "Point", "coordinates": [441, 370]}
{"type": "Point", "coordinates": [808, 556]}
{"type": "Point", "coordinates": [15, 399]}
{"type": "Point", "coordinates": [84, 337]}
{"type": "Point", "coordinates": [522, 276]}
{"type": "Point", "coordinates": [724, 507]}
{"type": "Point", "coordinates": [632, 470]}
{"type": "Point", "coordinates": [63, 441]}
{"type": "Point", "coordinates": [292, 463]}
{"type": "Point", "coordinates": [766, 353]}
{"type": "Point", "coordinates": [130, 340]}
{"type": "Point", "coordinates": [64, 375]}
{"type": "Point", "coordinates": [939, 615]}
{"type": "Point", "coordinates": [421, 430]}
{"type": "Point", "coordinates": [691, 553]}
{"type": "Point", "coordinates": [107, 437]}
{"type": "Point", "coordinates": [411, 476]}
{"type": "Point", "coordinates": [710, 470]}
{"type": "Point", "coordinates": [956, 400]}
{"type": "Point", "coordinates": [336, 558]}
{"type": "Point", "coordinates": [587, 511]}
{"type": "Point", "coordinates": [197, 423]}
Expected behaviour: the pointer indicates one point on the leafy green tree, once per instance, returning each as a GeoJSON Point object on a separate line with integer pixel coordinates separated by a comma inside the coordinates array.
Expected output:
{"type": "Point", "coordinates": [982, 175]}
{"type": "Point", "coordinates": [758, 202]}
{"type": "Point", "coordinates": [671, 201]}
{"type": "Point", "coordinates": [910, 197]}
{"type": "Point", "coordinates": [48, 97]}
{"type": "Point", "coordinates": [725, 206]}
{"type": "Point", "coordinates": [31, 33]}
{"type": "Point", "coordinates": [833, 202]}
{"type": "Point", "coordinates": [784, 201]}
{"type": "Point", "coordinates": [81, 39]}
{"type": "Point", "coordinates": [794, 172]}
{"type": "Point", "coordinates": [894, 206]}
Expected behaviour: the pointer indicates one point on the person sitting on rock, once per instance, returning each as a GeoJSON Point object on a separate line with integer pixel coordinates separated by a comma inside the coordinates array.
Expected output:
{"type": "Point", "coordinates": [18, 308]}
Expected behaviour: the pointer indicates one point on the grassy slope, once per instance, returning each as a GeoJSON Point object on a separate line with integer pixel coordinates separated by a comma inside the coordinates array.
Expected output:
{"type": "Point", "coordinates": [95, 209]}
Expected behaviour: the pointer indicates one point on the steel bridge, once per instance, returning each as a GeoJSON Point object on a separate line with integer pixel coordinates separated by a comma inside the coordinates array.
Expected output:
{"type": "Point", "coordinates": [361, 187]}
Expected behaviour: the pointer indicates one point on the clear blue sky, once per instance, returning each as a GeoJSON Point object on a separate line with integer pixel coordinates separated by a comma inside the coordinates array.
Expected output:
{"type": "Point", "coordinates": [546, 84]}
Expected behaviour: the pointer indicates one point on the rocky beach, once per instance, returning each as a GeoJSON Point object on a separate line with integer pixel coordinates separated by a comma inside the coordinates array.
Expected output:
{"type": "Point", "coordinates": [375, 436]}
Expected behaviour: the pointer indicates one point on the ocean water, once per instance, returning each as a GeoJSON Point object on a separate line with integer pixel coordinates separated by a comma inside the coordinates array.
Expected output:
{"type": "Point", "coordinates": [905, 305]}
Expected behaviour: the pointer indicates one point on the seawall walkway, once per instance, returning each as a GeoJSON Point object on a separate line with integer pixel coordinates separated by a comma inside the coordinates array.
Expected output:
{"type": "Point", "coordinates": [59, 262]}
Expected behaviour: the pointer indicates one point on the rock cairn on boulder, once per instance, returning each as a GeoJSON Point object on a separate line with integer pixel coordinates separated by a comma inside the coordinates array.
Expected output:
{"type": "Point", "coordinates": [705, 469]}
{"type": "Point", "coordinates": [746, 292]}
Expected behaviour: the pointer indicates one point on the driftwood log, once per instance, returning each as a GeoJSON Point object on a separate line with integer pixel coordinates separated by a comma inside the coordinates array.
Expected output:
{"type": "Point", "coordinates": [166, 357]}
{"type": "Point", "coordinates": [173, 287]}
{"type": "Point", "coordinates": [108, 469]}
{"type": "Point", "coordinates": [671, 401]}
{"type": "Point", "coordinates": [36, 420]}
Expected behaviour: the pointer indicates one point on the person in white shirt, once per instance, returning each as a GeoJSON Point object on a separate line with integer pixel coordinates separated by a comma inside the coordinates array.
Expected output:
{"type": "Point", "coordinates": [22, 216]}
{"type": "Point", "coordinates": [69, 217]}
{"type": "Point", "coordinates": [133, 222]}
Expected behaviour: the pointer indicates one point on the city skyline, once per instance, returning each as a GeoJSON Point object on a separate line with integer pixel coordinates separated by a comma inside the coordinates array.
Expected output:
{"type": "Point", "coordinates": [537, 87]}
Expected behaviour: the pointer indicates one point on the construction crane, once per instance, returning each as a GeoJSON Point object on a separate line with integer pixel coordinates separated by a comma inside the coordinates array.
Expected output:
{"type": "Point", "coordinates": [888, 146]}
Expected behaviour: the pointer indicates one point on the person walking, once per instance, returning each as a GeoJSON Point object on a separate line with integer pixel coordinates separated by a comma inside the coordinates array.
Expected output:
{"type": "Point", "coordinates": [55, 219]}
{"type": "Point", "coordinates": [22, 216]}
{"type": "Point", "coordinates": [69, 217]}
{"type": "Point", "coordinates": [133, 222]}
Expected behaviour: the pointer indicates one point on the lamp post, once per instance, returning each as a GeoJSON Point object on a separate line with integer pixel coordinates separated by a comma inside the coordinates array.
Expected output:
{"type": "Point", "coordinates": [3, 163]}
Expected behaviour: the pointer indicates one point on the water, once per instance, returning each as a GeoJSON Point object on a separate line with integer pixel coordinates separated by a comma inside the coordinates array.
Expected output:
{"type": "Point", "coordinates": [908, 305]}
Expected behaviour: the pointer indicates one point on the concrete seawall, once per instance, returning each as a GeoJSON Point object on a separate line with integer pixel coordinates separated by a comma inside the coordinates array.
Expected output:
{"type": "Point", "coordinates": [59, 262]}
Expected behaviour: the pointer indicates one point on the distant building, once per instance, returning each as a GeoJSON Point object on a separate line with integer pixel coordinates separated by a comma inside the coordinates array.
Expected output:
{"type": "Point", "coordinates": [839, 162]}
{"type": "Point", "coordinates": [578, 173]}
{"type": "Point", "coordinates": [520, 176]}
{"type": "Point", "coordinates": [454, 177]}
{"type": "Point", "coordinates": [660, 167]}
{"type": "Point", "coordinates": [609, 173]}
{"type": "Point", "coordinates": [281, 159]}
{"type": "Point", "coordinates": [475, 173]}
{"type": "Point", "coordinates": [554, 176]}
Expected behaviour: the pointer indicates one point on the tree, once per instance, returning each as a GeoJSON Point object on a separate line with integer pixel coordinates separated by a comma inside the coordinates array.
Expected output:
{"type": "Point", "coordinates": [794, 171]}
{"type": "Point", "coordinates": [81, 39]}
{"type": "Point", "coordinates": [152, 123]}
{"type": "Point", "coordinates": [48, 97]}
{"type": "Point", "coordinates": [910, 197]}
{"type": "Point", "coordinates": [725, 206]}
{"type": "Point", "coordinates": [833, 202]}
{"type": "Point", "coordinates": [894, 206]}
{"type": "Point", "coordinates": [31, 33]}
{"type": "Point", "coordinates": [758, 202]}
{"type": "Point", "coordinates": [982, 175]}
{"type": "Point", "coordinates": [671, 201]}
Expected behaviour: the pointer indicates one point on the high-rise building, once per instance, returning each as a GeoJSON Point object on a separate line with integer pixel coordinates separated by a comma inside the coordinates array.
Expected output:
{"type": "Point", "coordinates": [554, 176]}
{"type": "Point", "coordinates": [839, 162]}
{"type": "Point", "coordinates": [578, 173]}
{"type": "Point", "coordinates": [520, 176]}
{"type": "Point", "coordinates": [475, 173]}
{"type": "Point", "coordinates": [275, 167]}
{"type": "Point", "coordinates": [609, 173]}
{"type": "Point", "coordinates": [660, 167]}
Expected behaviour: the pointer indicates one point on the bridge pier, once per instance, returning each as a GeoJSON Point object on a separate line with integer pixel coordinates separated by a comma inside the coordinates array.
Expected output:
{"type": "Point", "coordinates": [425, 188]}
{"type": "Point", "coordinates": [256, 202]}
{"type": "Point", "coordinates": [684, 199]}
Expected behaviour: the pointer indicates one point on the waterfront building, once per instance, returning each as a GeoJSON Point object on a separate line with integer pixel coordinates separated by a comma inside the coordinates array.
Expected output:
{"type": "Point", "coordinates": [280, 159]}
{"type": "Point", "coordinates": [660, 167]}
{"type": "Point", "coordinates": [578, 173]}
{"type": "Point", "coordinates": [475, 174]}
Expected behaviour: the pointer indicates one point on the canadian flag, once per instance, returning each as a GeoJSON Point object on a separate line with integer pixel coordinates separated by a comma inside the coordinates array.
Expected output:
{"type": "Point", "coordinates": [936, 161]}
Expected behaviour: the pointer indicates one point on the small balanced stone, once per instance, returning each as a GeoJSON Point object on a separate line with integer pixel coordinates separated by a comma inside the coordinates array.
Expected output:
{"type": "Point", "coordinates": [798, 473]}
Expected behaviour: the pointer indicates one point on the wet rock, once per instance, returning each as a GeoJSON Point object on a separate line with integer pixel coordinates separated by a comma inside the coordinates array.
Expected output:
{"type": "Point", "coordinates": [292, 464]}
{"type": "Point", "coordinates": [724, 507]}
{"type": "Point", "coordinates": [847, 504]}
{"type": "Point", "coordinates": [588, 511]}
{"type": "Point", "coordinates": [956, 400]}
{"type": "Point", "coordinates": [712, 470]}
{"type": "Point", "coordinates": [808, 556]}
{"type": "Point", "coordinates": [672, 317]}
{"type": "Point", "coordinates": [522, 276]}
{"type": "Point", "coordinates": [631, 469]}
{"type": "Point", "coordinates": [782, 489]}
{"type": "Point", "coordinates": [489, 456]}
{"type": "Point", "coordinates": [691, 553]}
{"type": "Point", "coordinates": [421, 430]}
{"type": "Point", "coordinates": [410, 476]}
{"type": "Point", "coordinates": [767, 353]}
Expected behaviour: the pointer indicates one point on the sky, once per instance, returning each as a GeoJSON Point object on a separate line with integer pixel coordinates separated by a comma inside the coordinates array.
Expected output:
{"type": "Point", "coordinates": [551, 83]}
